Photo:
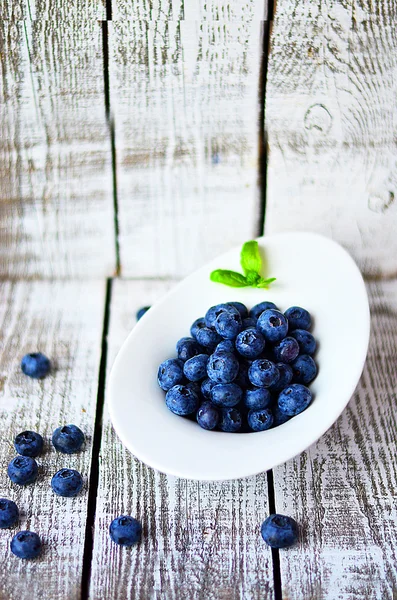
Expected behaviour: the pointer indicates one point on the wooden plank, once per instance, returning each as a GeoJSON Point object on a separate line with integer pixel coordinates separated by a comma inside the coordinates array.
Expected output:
{"type": "Point", "coordinates": [185, 98]}
{"type": "Point", "coordinates": [55, 159]}
{"type": "Point", "coordinates": [63, 320]}
{"type": "Point", "coordinates": [201, 540]}
{"type": "Point", "coordinates": [331, 122]}
{"type": "Point", "coordinates": [177, 10]}
{"type": "Point", "coordinates": [54, 10]}
{"type": "Point", "coordinates": [343, 489]}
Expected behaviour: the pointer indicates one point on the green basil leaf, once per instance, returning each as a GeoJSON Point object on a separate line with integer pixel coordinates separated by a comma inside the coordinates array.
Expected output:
{"type": "Point", "coordinates": [264, 283]}
{"type": "Point", "coordinates": [250, 258]}
{"type": "Point", "coordinates": [230, 278]}
{"type": "Point", "coordinates": [252, 277]}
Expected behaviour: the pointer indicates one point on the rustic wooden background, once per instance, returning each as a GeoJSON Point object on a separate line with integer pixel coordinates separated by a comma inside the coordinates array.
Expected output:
{"type": "Point", "coordinates": [138, 140]}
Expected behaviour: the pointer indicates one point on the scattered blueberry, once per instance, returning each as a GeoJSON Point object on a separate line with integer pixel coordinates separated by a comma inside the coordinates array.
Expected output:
{"type": "Point", "coordinates": [206, 387]}
{"type": "Point", "coordinates": [225, 346]}
{"type": "Point", "coordinates": [208, 338]}
{"type": "Point", "coordinates": [304, 369]}
{"type": "Point", "coordinates": [28, 443]}
{"type": "Point", "coordinates": [307, 343]}
{"type": "Point", "coordinates": [9, 513]}
{"type": "Point", "coordinates": [228, 324]}
{"type": "Point", "coordinates": [181, 400]}
{"type": "Point", "coordinates": [298, 318]}
{"type": "Point", "coordinates": [257, 398]}
{"type": "Point", "coordinates": [226, 394]}
{"type": "Point", "coordinates": [26, 544]}
{"type": "Point", "coordinates": [242, 309]}
{"type": "Point", "coordinates": [141, 312]}
{"type": "Point", "coordinates": [230, 420]}
{"type": "Point", "coordinates": [195, 369]}
{"type": "Point", "coordinates": [170, 373]}
{"type": "Point", "coordinates": [248, 323]}
{"type": "Point", "coordinates": [68, 439]}
{"type": "Point", "coordinates": [197, 325]}
{"type": "Point", "coordinates": [287, 350]}
{"type": "Point", "coordinates": [35, 365]}
{"type": "Point", "coordinates": [250, 343]}
{"type": "Point", "coordinates": [286, 375]}
{"type": "Point", "coordinates": [279, 531]}
{"type": "Point", "coordinates": [222, 367]}
{"type": "Point", "coordinates": [294, 399]}
{"type": "Point", "coordinates": [187, 348]}
{"type": "Point", "coordinates": [22, 470]}
{"type": "Point", "coordinates": [125, 531]}
{"type": "Point", "coordinates": [258, 309]}
{"type": "Point", "coordinates": [207, 415]}
{"type": "Point", "coordinates": [259, 420]}
{"type": "Point", "coordinates": [273, 325]}
{"type": "Point", "coordinates": [263, 373]}
{"type": "Point", "coordinates": [67, 483]}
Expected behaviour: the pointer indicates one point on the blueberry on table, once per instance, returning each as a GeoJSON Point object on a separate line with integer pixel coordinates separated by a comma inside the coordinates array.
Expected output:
{"type": "Point", "coordinates": [230, 420]}
{"type": "Point", "coordinates": [228, 325]}
{"type": "Point", "coordinates": [248, 322]}
{"type": "Point", "coordinates": [260, 420]}
{"type": "Point", "coordinates": [170, 373]}
{"type": "Point", "coordinates": [206, 387]}
{"type": "Point", "coordinates": [298, 318]}
{"type": "Point", "coordinates": [226, 394]}
{"type": "Point", "coordinates": [279, 531]}
{"type": "Point", "coordinates": [9, 513]}
{"type": "Point", "coordinates": [273, 325]}
{"type": "Point", "coordinates": [250, 343]}
{"type": "Point", "coordinates": [67, 483]}
{"type": "Point", "coordinates": [181, 400]}
{"type": "Point", "coordinates": [28, 443]}
{"type": "Point", "coordinates": [225, 346]}
{"type": "Point", "coordinates": [26, 544]}
{"type": "Point", "coordinates": [294, 399]}
{"type": "Point", "coordinates": [287, 350]}
{"type": "Point", "coordinates": [187, 347]}
{"type": "Point", "coordinates": [22, 470]}
{"type": "Point", "coordinates": [258, 309]}
{"type": "Point", "coordinates": [263, 373]}
{"type": "Point", "coordinates": [125, 531]}
{"type": "Point", "coordinates": [242, 309]}
{"type": "Point", "coordinates": [207, 416]}
{"type": "Point", "coordinates": [35, 365]}
{"type": "Point", "coordinates": [304, 369]}
{"type": "Point", "coordinates": [257, 398]}
{"type": "Point", "coordinates": [213, 313]}
{"type": "Point", "coordinates": [195, 369]}
{"type": "Point", "coordinates": [68, 439]}
{"type": "Point", "coordinates": [141, 312]}
{"type": "Point", "coordinates": [196, 326]}
{"type": "Point", "coordinates": [222, 367]}
{"type": "Point", "coordinates": [307, 343]}
{"type": "Point", "coordinates": [286, 375]}
{"type": "Point", "coordinates": [208, 338]}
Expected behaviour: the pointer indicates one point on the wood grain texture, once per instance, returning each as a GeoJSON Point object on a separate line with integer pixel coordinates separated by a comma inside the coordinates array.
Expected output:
{"type": "Point", "coordinates": [55, 160]}
{"type": "Point", "coordinates": [200, 540]}
{"type": "Point", "coordinates": [343, 489]}
{"type": "Point", "coordinates": [176, 10]}
{"type": "Point", "coordinates": [63, 320]}
{"type": "Point", "coordinates": [54, 10]}
{"type": "Point", "coordinates": [185, 99]}
{"type": "Point", "coordinates": [331, 122]}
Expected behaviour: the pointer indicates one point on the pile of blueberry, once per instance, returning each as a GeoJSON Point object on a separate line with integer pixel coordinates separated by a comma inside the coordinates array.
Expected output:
{"type": "Point", "coordinates": [242, 371]}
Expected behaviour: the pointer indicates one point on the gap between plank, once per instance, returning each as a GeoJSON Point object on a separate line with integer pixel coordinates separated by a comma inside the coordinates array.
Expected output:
{"type": "Point", "coordinates": [108, 10]}
{"type": "Point", "coordinates": [96, 447]}
{"type": "Point", "coordinates": [275, 552]}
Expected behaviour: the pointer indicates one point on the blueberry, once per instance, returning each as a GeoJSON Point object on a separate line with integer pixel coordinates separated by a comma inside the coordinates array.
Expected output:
{"type": "Point", "coordinates": [22, 470]}
{"type": "Point", "coordinates": [279, 531]}
{"type": "Point", "coordinates": [9, 513]}
{"type": "Point", "coordinates": [207, 416]}
{"type": "Point", "coordinates": [35, 365]}
{"type": "Point", "coordinates": [213, 313]}
{"type": "Point", "coordinates": [222, 367]}
{"type": "Point", "coordinates": [285, 377]}
{"type": "Point", "coordinates": [170, 373]}
{"type": "Point", "coordinates": [125, 531]}
{"type": "Point", "coordinates": [67, 483]}
{"type": "Point", "coordinates": [196, 326]}
{"type": "Point", "coordinates": [242, 309]}
{"type": "Point", "coordinates": [195, 369]}
{"type": "Point", "coordinates": [26, 544]}
{"type": "Point", "coordinates": [263, 373]}
{"type": "Point", "coordinates": [225, 346]}
{"type": "Point", "coordinates": [248, 323]}
{"type": "Point", "coordinates": [187, 348]}
{"type": "Point", "coordinates": [28, 443]}
{"type": "Point", "coordinates": [260, 420]}
{"type": "Point", "coordinates": [287, 350]}
{"type": "Point", "coordinates": [226, 394]}
{"type": "Point", "coordinates": [141, 312]}
{"type": "Point", "coordinates": [298, 318]}
{"type": "Point", "coordinates": [242, 378]}
{"type": "Point", "coordinates": [258, 309]}
{"type": "Point", "coordinates": [208, 338]}
{"type": "Point", "coordinates": [195, 387]}
{"type": "Point", "coordinates": [68, 439]}
{"type": "Point", "coordinates": [279, 417]}
{"type": "Point", "coordinates": [228, 325]}
{"type": "Point", "coordinates": [181, 400]}
{"type": "Point", "coordinates": [273, 325]}
{"type": "Point", "coordinates": [304, 369]}
{"type": "Point", "coordinates": [257, 398]}
{"type": "Point", "coordinates": [206, 387]}
{"type": "Point", "coordinates": [307, 343]}
{"type": "Point", "coordinates": [231, 420]}
{"type": "Point", "coordinates": [250, 343]}
{"type": "Point", "coordinates": [294, 399]}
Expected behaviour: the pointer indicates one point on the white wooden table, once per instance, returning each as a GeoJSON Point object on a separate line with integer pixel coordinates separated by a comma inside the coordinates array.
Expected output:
{"type": "Point", "coordinates": [129, 132]}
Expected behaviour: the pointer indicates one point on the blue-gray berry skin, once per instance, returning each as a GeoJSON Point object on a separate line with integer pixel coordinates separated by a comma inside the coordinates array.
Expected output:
{"type": "Point", "coordinates": [196, 326]}
{"type": "Point", "coordinates": [242, 309]}
{"type": "Point", "coordinates": [187, 347]}
{"type": "Point", "coordinates": [207, 416]}
{"type": "Point", "coordinates": [22, 470]}
{"type": "Point", "coordinates": [248, 322]}
{"type": "Point", "coordinates": [263, 373]}
{"type": "Point", "coordinates": [213, 313]}
{"type": "Point", "coordinates": [273, 325]}
{"type": "Point", "coordinates": [208, 338]}
{"type": "Point", "coordinates": [242, 377]}
{"type": "Point", "coordinates": [28, 443]}
{"type": "Point", "coordinates": [250, 343]}
{"type": "Point", "coordinates": [222, 367]}
{"type": "Point", "coordinates": [125, 531]}
{"type": "Point", "coordinates": [195, 369]}
{"type": "Point", "coordinates": [257, 398]}
{"type": "Point", "coordinates": [170, 373]}
{"type": "Point", "coordinates": [226, 394]}
{"type": "Point", "coordinates": [67, 483]}
{"type": "Point", "coordinates": [181, 400]}
{"type": "Point", "coordinates": [287, 350]}
{"type": "Point", "coordinates": [279, 531]}
{"type": "Point", "coordinates": [279, 417]}
{"type": "Point", "coordinates": [298, 318]}
{"type": "Point", "coordinates": [230, 420]}
{"type": "Point", "coordinates": [26, 544]}
{"type": "Point", "coordinates": [307, 343]}
{"type": "Point", "coordinates": [35, 365]}
{"type": "Point", "coordinates": [258, 309]}
{"type": "Point", "coordinates": [9, 513]}
{"type": "Point", "coordinates": [141, 312]}
{"type": "Point", "coordinates": [286, 375]}
{"type": "Point", "coordinates": [260, 420]}
{"type": "Point", "coordinates": [304, 369]}
{"type": "Point", "coordinates": [294, 399]}
{"type": "Point", "coordinates": [68, 439]}
{"type": "Point", "coordinates": [206, 387]}
{"type": "Point", "coordinates": [228, 324]}
{"type": "Point", "coordinates": [225, 346]}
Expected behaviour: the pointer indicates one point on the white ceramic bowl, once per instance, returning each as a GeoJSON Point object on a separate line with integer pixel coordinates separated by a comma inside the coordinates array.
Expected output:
{"type": "Point", "coordinates": [312, 271]}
